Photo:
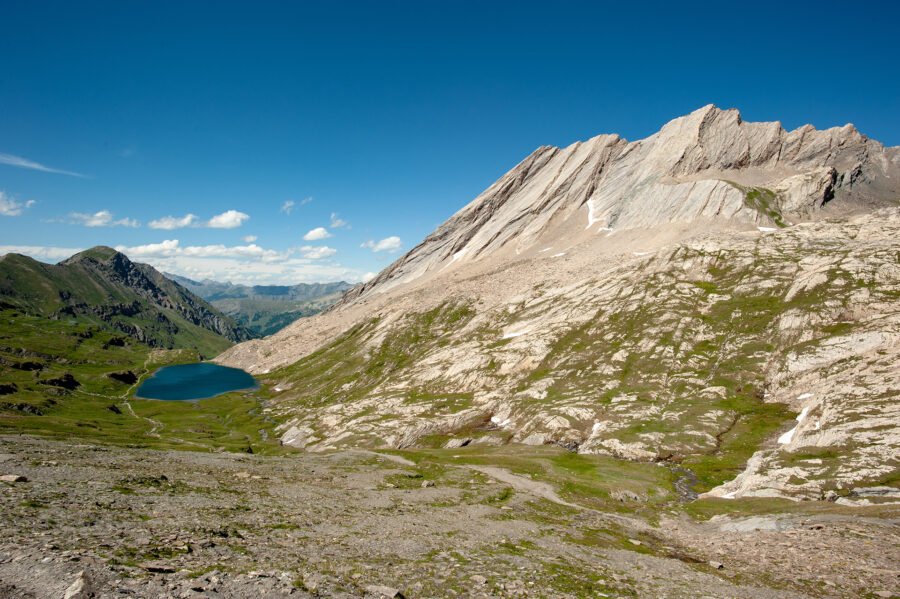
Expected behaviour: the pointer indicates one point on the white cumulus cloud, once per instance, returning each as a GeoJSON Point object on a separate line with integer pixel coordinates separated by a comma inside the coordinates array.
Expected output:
{"type": "Point", "coordinates": [168, 223]}
{"type": "Point", "coordinates": [103, 218]}
{"type": "Point", "coordinates": [317, 234]}
{"type": "Point", "coordinates": [369, 276]}
{"type": "Point", "coordinates": [11, 207]}
{"type": "Point", "coordinates": [311, 252]}
{"type": "Point", "coordinates": [388, 244]}
{"type": "Point", "coordinates": [169, 247]}
{"type": "Point", "coordinates": [249, 238]}
{"type": "Point", "coordinates": [230, 219]}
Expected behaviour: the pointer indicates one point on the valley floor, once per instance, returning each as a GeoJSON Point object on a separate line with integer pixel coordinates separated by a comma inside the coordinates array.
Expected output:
{"type": "Point", "coordinates": [506, 522]}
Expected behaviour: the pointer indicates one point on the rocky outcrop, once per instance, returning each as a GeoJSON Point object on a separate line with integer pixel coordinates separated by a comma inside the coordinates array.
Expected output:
{"type": "Point", "coordinates": [149, 284]}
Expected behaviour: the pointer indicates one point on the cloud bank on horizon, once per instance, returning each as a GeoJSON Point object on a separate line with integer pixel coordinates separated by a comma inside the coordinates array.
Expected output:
{"type": "Point", "coordinates": [248, 264]}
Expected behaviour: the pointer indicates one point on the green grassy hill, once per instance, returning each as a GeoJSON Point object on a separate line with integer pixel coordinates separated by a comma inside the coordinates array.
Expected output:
{"type": "Point", "coordinates": [102, 287]}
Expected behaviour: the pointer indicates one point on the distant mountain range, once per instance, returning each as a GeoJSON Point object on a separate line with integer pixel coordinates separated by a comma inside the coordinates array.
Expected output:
{"type": "Point", "coordinates": [101, 286]}
{"type": "Point", "coordinates": [265, 309]}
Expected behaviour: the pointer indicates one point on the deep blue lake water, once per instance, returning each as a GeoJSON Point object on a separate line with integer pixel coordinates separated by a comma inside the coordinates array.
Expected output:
{"type": "Point", "coordinates": [194, 381]}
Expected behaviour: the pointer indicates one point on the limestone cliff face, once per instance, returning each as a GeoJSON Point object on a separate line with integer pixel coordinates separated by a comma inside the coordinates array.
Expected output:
{"type": "Point", "coordinates": [699, 166]}
{"type": "Point", "coordinates": [678, 299]}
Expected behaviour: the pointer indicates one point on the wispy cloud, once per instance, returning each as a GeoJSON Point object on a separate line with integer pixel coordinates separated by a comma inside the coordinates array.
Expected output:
{"type": "Point", "coordinates": [249, 238]}
{"type": "Point", "coordinates": [306, 200]}
{"type": "Point", "coordinates": [230, 219]}
{"type": "Point", "coordinates": [337, 222]}
{"type": "Point", "coordinates": [288, 206]}
{"type": "Point", "coordinates": [317, 234]}
{"type": "Point", "coordinates": [11, 207]}
{"type": "Point", "coordinates": [103, 218]}
{"type": "Point", "coordinates": [168, 223]}
{"type": "Point", "coordinates": [388, 244]}
{"type": "Point", "coordinates": [19, 162]}
{"type": "Point", "coordinates": [311, 252]}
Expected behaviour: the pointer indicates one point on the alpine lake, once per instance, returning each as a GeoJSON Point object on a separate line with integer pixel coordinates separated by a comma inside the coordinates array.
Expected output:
{"type": "Point", "coordinates": [200, 380]}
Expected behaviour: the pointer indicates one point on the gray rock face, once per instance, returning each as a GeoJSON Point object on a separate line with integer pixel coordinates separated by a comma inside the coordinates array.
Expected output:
{"type": "Point", "coordinates": [686, 171]}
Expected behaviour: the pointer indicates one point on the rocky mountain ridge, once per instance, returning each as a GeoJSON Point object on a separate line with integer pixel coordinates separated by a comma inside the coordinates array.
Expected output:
{"type": "Point", "coordinates": [709, 164]}
{"type": "Point", "coordinates": [103, 286]}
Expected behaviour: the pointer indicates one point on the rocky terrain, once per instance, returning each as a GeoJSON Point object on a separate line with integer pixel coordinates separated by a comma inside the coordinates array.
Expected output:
{"type": "Point", "coordinates": [99, 521]}
{"type": "Point", "coordinates": [721, 297]}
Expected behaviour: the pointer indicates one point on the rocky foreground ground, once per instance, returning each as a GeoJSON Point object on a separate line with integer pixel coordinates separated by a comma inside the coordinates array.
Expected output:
{"type": "Point", "coordinates": [99, 521]}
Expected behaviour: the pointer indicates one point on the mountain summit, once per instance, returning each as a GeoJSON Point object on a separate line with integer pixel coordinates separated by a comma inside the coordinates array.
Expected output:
{"type": "Point", "coordinates": [708, 165]}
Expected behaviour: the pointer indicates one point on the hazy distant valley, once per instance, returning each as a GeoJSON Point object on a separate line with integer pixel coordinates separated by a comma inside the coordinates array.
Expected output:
{"type": "Point", "coordinates": [265, 309]}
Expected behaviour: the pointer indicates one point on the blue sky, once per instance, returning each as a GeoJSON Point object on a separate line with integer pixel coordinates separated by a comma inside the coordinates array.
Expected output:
{"type": "Point", "coordinates": [387, 116]}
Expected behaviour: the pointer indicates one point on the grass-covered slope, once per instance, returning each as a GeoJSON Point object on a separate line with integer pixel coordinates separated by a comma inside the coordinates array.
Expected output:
{"type": "Point", "coordinates": [66, 378]}
{"type": "Point", "coordinates": [699, 357]}
{"type": "Point", "coordinates": [103, 287]}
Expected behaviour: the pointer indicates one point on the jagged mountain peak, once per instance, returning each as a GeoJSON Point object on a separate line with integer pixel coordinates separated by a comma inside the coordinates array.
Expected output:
{"type": "Point", "coordinates": [709, 165]}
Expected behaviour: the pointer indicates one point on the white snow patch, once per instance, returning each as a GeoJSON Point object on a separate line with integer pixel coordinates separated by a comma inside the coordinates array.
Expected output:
{"type": "Point", "coordinates": [766, 229]}
{"type": "Point", "coordinates": [500, 422]}
{"type": "Point", "coordinates": [729, 495]}
{"type": "Point", "coordinates": [640, 253]}
{"type": "Point", "coordinates": [278, 389]}
{"type": "Point", "coordinates": [558, 255]}
{"type": "Point", "coordinates": [514, 335]}
{"type": "Point", "coordinates": [591, 218]}
{"type": "Point", "coordinates": [456, 257]}
{"type": "Point", "coordinates": [803, 396]}
{"type": "Point", "coordinates": [789, 436]}
{"type": "Point", "coordinates": [547, 249]}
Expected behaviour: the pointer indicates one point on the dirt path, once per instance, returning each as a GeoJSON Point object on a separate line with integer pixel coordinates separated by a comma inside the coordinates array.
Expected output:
{"type": "Point", "coordinates": [387, 456]}
{"type": "Point", "coordinates": [525, 485]}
